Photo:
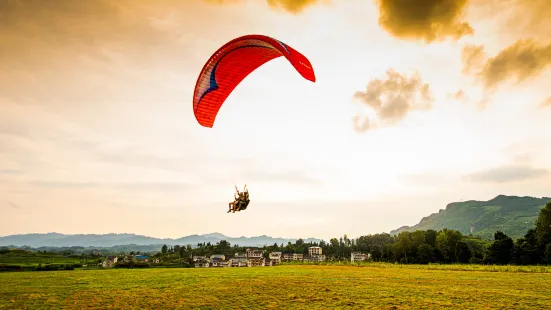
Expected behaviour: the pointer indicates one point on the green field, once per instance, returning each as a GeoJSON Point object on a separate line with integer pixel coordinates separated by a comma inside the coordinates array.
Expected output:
{"type": "Point", "coordinates": [283, 287]}
{"type": "Point", "coordinates": [40, 259]}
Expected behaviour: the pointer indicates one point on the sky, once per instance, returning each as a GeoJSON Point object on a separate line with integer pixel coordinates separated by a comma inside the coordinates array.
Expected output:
{"type": "Point", "coordinates": [415, 105]}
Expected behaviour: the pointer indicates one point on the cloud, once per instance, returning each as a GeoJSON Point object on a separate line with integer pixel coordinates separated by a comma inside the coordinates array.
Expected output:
{"type": "Point", "coordinates": [392, 99]}
{"type": "Point", "coordinates": [127, 186]}
{"type": "Point", "coordinates": [295, 176]}
{"type": "Point", "coordinates": [57, 184]}
{"type": "Point", "coordinates": [519, 18]}
{"type": "Point", "coordinates": [10, 171]}
{"type": "Point", "coordinates": [291, 6]}
{"type": "Point", "coordinates": [522, 60]}
{"type": "Point", "coordinates": [47, 45]}
{"type": "Point", "coordinates": [459, 96]}
{"type": "Point", "coordinates": [427, 179]}
{"type": "Point", "coordinates": [508, 173]}
{"type": "Point", "coordinates": [13, 205]}
{"type": "Point", "coordinates": [546, 103]}
{"type": "Point", "coordinates": [473, 58]}
{"type": "Point", "coordinates": [428, 20]}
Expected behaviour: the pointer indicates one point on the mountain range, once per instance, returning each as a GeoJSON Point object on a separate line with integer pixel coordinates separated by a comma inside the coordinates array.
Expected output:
{"type": "Point", "coordinates": [511, 215]}
{"type": "Point", "coordinates": [109, 240]}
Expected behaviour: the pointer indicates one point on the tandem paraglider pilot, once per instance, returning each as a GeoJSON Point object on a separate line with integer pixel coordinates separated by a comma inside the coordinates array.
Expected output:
{"type": "Point", "coordinates": [241, 200]}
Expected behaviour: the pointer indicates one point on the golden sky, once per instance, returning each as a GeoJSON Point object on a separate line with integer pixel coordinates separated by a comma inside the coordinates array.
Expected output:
{"type": "Point", "coordinates": [415, 105]}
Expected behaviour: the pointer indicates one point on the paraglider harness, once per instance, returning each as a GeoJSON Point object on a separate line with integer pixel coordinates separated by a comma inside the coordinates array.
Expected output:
{"type": "Point", "coordinates": [241, 200]}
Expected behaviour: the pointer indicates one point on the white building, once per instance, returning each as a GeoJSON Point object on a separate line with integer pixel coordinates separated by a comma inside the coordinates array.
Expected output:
{"type": "Point", "coordinates": [238, 262]}
{"type": "Point", "coordinates": [218, 260]}
{"type": "Point", "coordinates": [358, 257]}
{"type": "Point", "coordinates": [314, 250]}
{"type": "Point", "coordinates": [199, 258]}
{"type": "Point", "coordinates": [254, 253]}
{"type": "Point", "coordinates": [275, 257]}
{"type": "Point", "coordinates": [318, 258]}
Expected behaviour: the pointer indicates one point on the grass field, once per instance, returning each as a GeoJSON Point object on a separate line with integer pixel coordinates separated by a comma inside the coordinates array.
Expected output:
{"type": "Point", "coordinates": [36, 259]}
{"type": "Point", "coordinates": [282, 287]}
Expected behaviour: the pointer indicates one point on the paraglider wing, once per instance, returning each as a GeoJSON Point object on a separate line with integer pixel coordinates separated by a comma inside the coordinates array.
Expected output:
{"type": "Point", "coordinates": [231, 63]}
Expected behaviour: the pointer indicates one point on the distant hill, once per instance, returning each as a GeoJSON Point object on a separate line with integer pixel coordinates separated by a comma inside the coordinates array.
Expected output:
{"type": "Point", "coordinates": [111, 240]}
{"type": "Point", "coordinates": [512, 215]}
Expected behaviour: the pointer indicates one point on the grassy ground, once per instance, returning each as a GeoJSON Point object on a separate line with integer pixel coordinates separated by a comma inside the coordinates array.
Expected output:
{"type": "Point", "coordinates": [39, 259]}
{"type": "Point", "coordinates": [283, 287]}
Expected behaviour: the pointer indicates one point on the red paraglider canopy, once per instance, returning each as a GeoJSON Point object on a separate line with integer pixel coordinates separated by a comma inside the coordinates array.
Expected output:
{"type": "Point", "coordinates": [231, 63]}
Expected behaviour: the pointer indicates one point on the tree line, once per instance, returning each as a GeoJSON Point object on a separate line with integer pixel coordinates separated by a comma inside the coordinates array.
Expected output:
{"type": "Point", "coordinates": [418, 247]}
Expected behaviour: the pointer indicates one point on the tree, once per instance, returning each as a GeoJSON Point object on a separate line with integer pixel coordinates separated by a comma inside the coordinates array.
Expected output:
{"type": "Point", "coordinates": [404, 250]}
{"type": "Point", "coordinates": [164, 249]}
{"type": "Point", "coordinates": [543, 226]}
{"type": "Point", "coordinates": [425, 253]}
{"type": "Point", "coordinates": [526, 250]}
{"type": "Point", "coordinates": [376, 253]}
{"type": "Point", "coordinates": [182, 251]}
{"type": "Point", "coordinates": [418, 238]}
{"type": "Point", "coordinates": [446, 241]}
{"type": "Point", "coordinates": [430, 237]}
{"type": "Point", "coordinates": [501, 250]}
{"type": "Point", "coordinates": [462, 252]}
{"type": "Point", "coordinates": [547, 254]}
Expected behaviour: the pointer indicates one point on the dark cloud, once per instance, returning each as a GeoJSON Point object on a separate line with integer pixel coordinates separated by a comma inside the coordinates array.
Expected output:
{"type": "Point", "coordinates": [392, 99]}
{"type": "Point", "coordinates": [291, 6]}
{"type": "Point", "coordinates": [62, 51]}
{"type": "Point", "coordinates": [522, 60]}
{"type": "Point", "coordinates": [428, 20]}
{"type": "Point", "coordinates": [81, 28]}
{"type": "Point", "coordinates": [509, 173]}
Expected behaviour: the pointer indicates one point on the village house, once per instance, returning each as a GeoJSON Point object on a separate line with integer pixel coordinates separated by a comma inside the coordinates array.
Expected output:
{"type": "Point", "coordinates": [275, 258]}
{"type": "Point", "coordinates": [292, 256]}
{"type": "Point", "coordinates": [254, 253]}
{"type": "Point", "coordinates": [238, 262]}
{"type": "Point", "coordinates": [155, 261]}
{"type": "Point", "coordinates": [199, 258]}
{"type": "Point", "coordinates": [218, 260]}
{"type": "Point", "coordinates": [287, 256]}
{"type": "Point", "coordinates": [318, 258]}
{"type": "Point", "coordinates": [202, 263]}
{"type": "Point", "coordinates": [141, 258]}
{"type": "Point", "coordinates": [314, 250]}
{"type": "Point", "coordinates": [358, 257]}
{"type": "Point", "coordinates": [110, 262]}
{"type": "Point", "coordinates": [256, 262]}
{"type": "Point", "coordinates": [315, 253]}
